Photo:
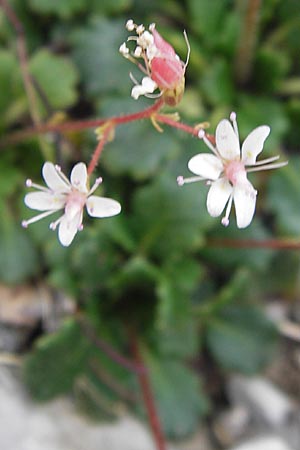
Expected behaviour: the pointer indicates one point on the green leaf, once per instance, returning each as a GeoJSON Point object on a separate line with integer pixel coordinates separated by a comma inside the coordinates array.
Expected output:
{"type": "Point", "coordinates": [179, 278]}
{"type": "Point", "coordinates": [169, 219]}
{"type": "Point", "coordinates": [255, 111]}
{"type": "Point", "coordinates": [237, 287]}
{"type": "Point", "coordinates": [178, 396]}
{"type": "Point", "coordinates": [217, 85]}
{"type": "Point", "coordinates": [9, 68]}
{"type": "Point", "coordinates": [12, 100]}
{"type": "Point", "coordinates": [241, 339]}
{"type": "Point", "coordinates": [207, 18]}
{"type": "Point", "coordinates": [106, 7]}
{"type": "Point", "coordinates": [52, 367]}
{"type": "Point", "coordinates": [96, 52]}
{"type": "Point", "coordinates": [144, 154]}
{"type": "Point", "coordinates": [270, 80]}
{"type": "Point", "coordinates": [284, 195]}
{"type": "Point", "coordinates": [228, 258]}
{"type": "Point", "coordinates": [57, 77]}
{"type": "Point", "coordinates": [18, 257]}
{"type": "Point", "coordinates": [10, 177]}
{"type": "Point", "coordinates": [63, 9]}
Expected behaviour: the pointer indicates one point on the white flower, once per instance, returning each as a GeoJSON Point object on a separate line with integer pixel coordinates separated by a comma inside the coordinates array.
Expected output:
{"type": "Point", "coordinates": [71, 196]}
{"type": "Point", "coordinates": [148, 86]}
{"type": "Point", "coordinates": [226, 173]}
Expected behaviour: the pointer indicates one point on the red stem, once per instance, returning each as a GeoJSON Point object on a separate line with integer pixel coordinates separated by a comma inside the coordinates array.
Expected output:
{"type": "Point", "coordinates": [99, 148]}
{"type": "Point", "coordinates": [173, 123]}
{"type": "Point", "coordinates": [106, 348]}
{"type": "Point", "coordinates": [82, 124]}
{"type": "Point", "coordinates": [23, 58]}
{"type": "Point", "coordinates": [146, 390]}
{"type": "Point", "coordinates": [279, 244]}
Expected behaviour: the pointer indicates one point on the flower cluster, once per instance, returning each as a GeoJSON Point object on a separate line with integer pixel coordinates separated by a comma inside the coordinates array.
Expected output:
{"type": "Point", "coordinates": [226, 170]}
{"type": "Point", "coordinates": [157, 59]}
{"type": "Point", "coordinates": [70, 196]}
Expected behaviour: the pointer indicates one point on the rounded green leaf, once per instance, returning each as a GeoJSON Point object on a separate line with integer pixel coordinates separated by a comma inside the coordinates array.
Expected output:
{"type": "Point", "coordinates": [61, 8]}
{"type": "Point", "coordinates": [57, 77]}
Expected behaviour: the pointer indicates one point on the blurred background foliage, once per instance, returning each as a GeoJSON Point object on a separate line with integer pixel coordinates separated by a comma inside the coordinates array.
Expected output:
{"type": "Point", "coordinates": [157, 268]}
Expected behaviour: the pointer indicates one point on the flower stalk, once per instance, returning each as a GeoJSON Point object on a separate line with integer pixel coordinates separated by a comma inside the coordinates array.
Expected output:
{"type": "Point", "coordinates": [247, 42]}
{"type": "Point", "coordinates": [145, 386]}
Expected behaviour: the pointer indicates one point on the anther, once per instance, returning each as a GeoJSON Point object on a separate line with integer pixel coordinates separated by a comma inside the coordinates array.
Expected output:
{"type": "Point", "coordinates": [130, 25]}
{"type": "Point", "coordinates": [28, 182]}
{"type": "Point", "coordinates": [138, 51]}
{"type": "Point", "coordinates": [232, 116]}
{"type": "Point", "coordinates": [24, 223]}
{"type": "Point", "coordinates": [140, 29]}
{"type": "Point", "coordinates": [180, 180]}
{"type": "Point", "coordinates": [225, 221]}
{"type": "Point", "coordinates": [124, 50]}
{"type": "Point", "coordinates": [201, 134]}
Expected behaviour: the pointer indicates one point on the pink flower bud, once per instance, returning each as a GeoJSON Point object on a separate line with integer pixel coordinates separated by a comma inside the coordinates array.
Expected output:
{"type": "Point", "coordinates": [167, 70]}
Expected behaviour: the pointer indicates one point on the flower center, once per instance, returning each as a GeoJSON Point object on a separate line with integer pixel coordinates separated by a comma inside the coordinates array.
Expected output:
{"type": "Point", "coordinates": [235, 172]}
{"type": "Point", "coordinates": [74, 203]}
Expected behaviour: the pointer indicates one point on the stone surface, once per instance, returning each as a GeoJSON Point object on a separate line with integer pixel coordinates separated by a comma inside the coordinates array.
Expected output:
{"type": "Point", "coordinates": [267, 402]}
{"type": "Point", "coordinates": [57, 425]}
{"type": "Point", "coordinates": [264, 443]}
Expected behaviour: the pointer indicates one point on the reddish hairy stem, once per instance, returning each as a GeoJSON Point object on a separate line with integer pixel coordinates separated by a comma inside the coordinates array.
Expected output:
{"type": "Point", "coordinates": [276, 244]}
{"type": "Point", "coordinates": [23, 58]}
{"type": "Point", "coordinates": [99, 148]}
{"type": "Point", "coordinates": [106, 348]}
{"type": "Point", "coordinates": [82, 124]}
{"type": "Point", "coordinates": [144, 382]}
{"type": "Point", "coordinates": [173, 123]}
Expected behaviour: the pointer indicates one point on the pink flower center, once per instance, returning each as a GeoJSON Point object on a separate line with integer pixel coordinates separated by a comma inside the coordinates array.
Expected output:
{"type": "Point", "coordinates": [235, 172]}
{"type": "Point", "coordinates": [74, 203]}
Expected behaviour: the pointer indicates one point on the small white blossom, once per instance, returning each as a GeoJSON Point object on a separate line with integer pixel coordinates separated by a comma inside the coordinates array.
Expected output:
{"type": "Point", "coordinates": [130, 25]}
{"type": "Point", "coordinates": [124, 50]}
{"type": "Point", "coordinates": [140, 29]}
{"type": "Point", "coordinates": [226, 173]}
{"type": "Point", "coordinates": [70, 196]}
{"type": "Point", "coordinates": [145, 39]}
{"type": "Point", "coordinates": [148, 86]}
{"type": "Point", "coordinates": [138, 52]}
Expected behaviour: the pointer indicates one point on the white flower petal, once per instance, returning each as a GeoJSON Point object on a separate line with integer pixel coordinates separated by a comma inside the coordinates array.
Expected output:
{"type": "Point", "coordinates": [253, 144]}
{"type": "Point", "coordinates": [44, 201]}
{"type": "Point", "coordinates": [218, 196]}
{"type": "Point", "coordinates": [67, 229]}
{"type": "Point", "coordinates": [148, 86]}
{"type": "Point", "coordinates": [79, 177]}
{"type": "Point", "coordinates": [227, 141]}
{"type": "Point", "coordinates": [244, 197]}
{"type": "Point", "coordinates": [52, 178]}
{"type": "Point", "coordinates": [206, 165]}
{"type": "Point", "coordinates": [102, 207]}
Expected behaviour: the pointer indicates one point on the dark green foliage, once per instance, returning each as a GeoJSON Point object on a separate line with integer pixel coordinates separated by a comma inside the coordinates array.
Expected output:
{"type": "Point", "coordinates": [241, 339]}
{"type": "Point", "coordinates": [161, 266]}
{"type": "Point", "coordinates": [56, 362]}
{"type": "Point", "coordinates": [178, 394]}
